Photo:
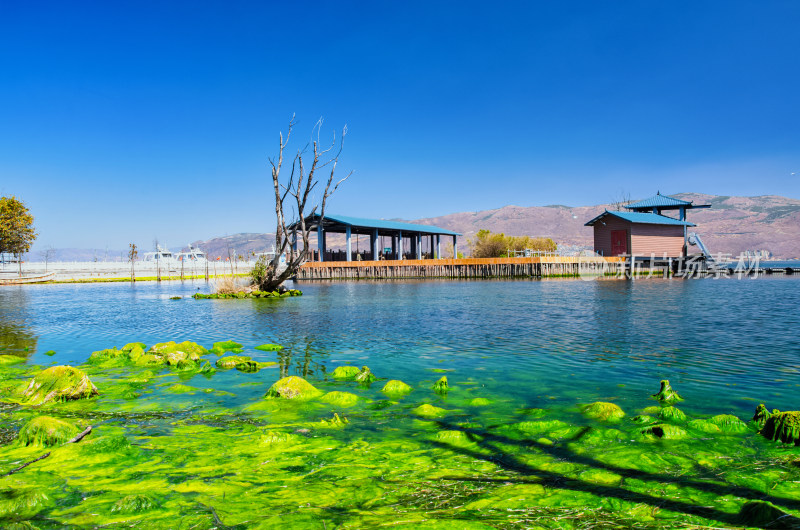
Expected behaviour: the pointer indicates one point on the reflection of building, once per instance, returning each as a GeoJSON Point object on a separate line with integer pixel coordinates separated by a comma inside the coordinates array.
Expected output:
{"type": "Point", "coordinates": [644, 230]}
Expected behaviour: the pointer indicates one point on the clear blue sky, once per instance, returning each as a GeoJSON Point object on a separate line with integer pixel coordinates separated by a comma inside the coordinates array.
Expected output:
{"type": "Point", "coordinates": [125, 121]}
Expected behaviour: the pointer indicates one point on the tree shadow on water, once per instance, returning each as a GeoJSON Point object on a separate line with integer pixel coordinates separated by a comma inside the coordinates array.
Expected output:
{"type": "Point", "coordinates": [490, 450]}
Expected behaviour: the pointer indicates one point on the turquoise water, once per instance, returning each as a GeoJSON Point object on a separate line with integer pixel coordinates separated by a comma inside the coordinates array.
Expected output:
{"type": "Point", "coordinates": [723, 343]}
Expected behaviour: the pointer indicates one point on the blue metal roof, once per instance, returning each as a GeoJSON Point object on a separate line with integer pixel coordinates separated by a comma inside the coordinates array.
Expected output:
{"type": "Point", "coordinates": [642, 218]}
{"type": "Point", "coordinates": [656, 201]}
{"type": "Point", "coordinates": [381, 224]}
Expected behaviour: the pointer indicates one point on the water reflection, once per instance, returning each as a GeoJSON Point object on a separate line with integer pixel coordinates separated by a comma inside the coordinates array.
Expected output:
{"type": "Point", "coordinates": [16, 333]}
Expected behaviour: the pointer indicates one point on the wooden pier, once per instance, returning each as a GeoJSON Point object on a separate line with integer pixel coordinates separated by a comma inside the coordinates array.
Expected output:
{"type": "Point", "coordinates": [536, 267]}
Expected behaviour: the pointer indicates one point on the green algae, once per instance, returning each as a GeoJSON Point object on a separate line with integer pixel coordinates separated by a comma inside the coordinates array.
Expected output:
{"type": "Point", "coordinates": [6, 359]}
{"type": "Point", "coordinates": [58, 383]}
{"type": "Point", "coordinates": [50, 353]}
{"type": "Point", "coordinates": [46, 431]}
{"type": "Point", "coordinates": [226, 346]}
{"type": "Point", "coordinates": [672, 414]}
{"type": "Point", "coordinates": [22, 503]}
{"type": "Point", "coordinates": [429, 411]}
{"type": "Point", "coordinates": [231, 361]}
{"type": "Point", "coordinates": [783, 426]}
{"type": "Point", "coordinates": [761, 416]}
{"type": "Point", "coordinates": [441, 386]}
{"type": "Point", "coordinates": [454, 438]}
{"type": "Point", "coordinates": [666, 394]}
{"type": "Point", "coordinates": [728, 423]}
{"type": "Point", "coordinates": [182, 389]}
{"type": "Point", "coordinates": [644, 419]}
{"type": "Point", "coordinates": [479, 402]}
{"type": "Point", "coordinates": [340, 399]}
{"type": "Point", "coordinates": [704, 426]}
{"type": "Point", "coordinates": [189, 348]}
{"type": "Point", "coordinates": [365, 376]}
{"type": "Point", "coordinates": [345, 372]}
{"type": "Point", "coordinates": [269, 347]}
{"type": "Point", "coordinates": [135, 504]}
{"type": "Point", "coordinates": [336, 422]}
{"type": "Point", "coordinates": [764, 514]}
{"type": "Point", "coordinates": [131, 345]}
{"type": "Point", "coordinates": [292, 387]}
{"type": "Point", "coordinates": [665, 431]}
{"type": "Point", "coordinates": [603, 411]}
{"type": "Point", "coordinates": [396, 388]}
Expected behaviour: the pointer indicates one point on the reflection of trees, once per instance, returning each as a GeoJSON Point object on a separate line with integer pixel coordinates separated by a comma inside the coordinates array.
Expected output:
{"type": "Point", "coordinates": [302, 355]}
{"type": "Point", "coordinates": [16, 337]}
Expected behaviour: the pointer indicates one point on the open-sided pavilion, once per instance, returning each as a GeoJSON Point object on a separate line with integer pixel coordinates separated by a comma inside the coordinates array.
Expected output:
{"type": "Point", "coordinates": [389, 240]}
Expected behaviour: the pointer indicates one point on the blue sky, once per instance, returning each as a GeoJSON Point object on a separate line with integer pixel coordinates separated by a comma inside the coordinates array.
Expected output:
{"type": "Point", "coordinates": [123, 122]}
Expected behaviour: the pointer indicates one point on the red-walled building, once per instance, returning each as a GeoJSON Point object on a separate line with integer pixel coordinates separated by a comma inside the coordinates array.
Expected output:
{"type": "Point", "coordinates": [644, 231]}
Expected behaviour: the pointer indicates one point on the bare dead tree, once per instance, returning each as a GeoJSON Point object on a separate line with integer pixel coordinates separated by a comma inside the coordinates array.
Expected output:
{"type": "Point", "coordinates": [295, 193]}
{"type": "Point", "coordinates": [622, 199]}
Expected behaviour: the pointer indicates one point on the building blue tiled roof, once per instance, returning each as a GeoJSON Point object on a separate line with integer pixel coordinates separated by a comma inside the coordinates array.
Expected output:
{"type": "Point", "coordinates": [381, 224]}
{"type": "Point", "coordinates": [657, 201]}
{"type": "Point", "coordinates": [642, 218]}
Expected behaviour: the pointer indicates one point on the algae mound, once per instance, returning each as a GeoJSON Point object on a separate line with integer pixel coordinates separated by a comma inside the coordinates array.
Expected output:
{"type": "Point", "coordinates": [340, 399]}
{"type": "Point", "coordinates": [666, 394]}
{"type": "Point", "coordinates": [783, 426]}
{"type": "Point", "coordinates": [108, 354]}
{"type": "Point", "coordinates": [665, 431]}
{"type": "Point", "coordinates": [335, 422]}
{"type": "Point", "coordinates": [345, 372]}
{"type": "Point", "coordinates": [187, 347]}
{"type": "Point", "coordinates": [429, 411]}
{"type": "Point", "coordinates": [134, 504]}
{"type": "Point", "coordinates": [131, 345]}
{"type": "Point", "coordinates": [728, 423]}
{"type": "Point", "coordinates": [441, 386]}
{"type": "Point", "coordinates": [21, 503]}
{"type": "Point", "coordinates": [46, 431]}
{"type": "Point", "coordinates": [764, 514]}
{"type": "Point", "coordinates": [603, 411]}
{"type": "Point", "coordinates": [59, 383]}
{"type": "Point", "coordinates": [395, 387]}
{"type": "Point", "coordinates": [673, 414]}
{"type": "Point", "coordinates": [231, 361]}
{"type": "Point", "coordinates": [365, 376]}
{"type": "Point", "coordinates": [292, 387]}
{"type": "Point", "coordinates": [704, 426]}
{"type": "Point", "coordinates": [479, 402]}
{"type": "Point", "coordinates": [761, 415]}
{"type": "Point", "coordinates": [269, 347]}
{"type": "Point", "coordinates": [226, 345]}
{"type": "Point", "coordinates": [455, 438]}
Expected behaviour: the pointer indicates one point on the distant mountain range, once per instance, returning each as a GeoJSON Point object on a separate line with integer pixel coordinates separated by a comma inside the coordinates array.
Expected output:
{"type": "Point", "coordinates": [732, 225]}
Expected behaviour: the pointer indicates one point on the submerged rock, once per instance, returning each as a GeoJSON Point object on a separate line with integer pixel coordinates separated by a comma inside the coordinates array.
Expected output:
{"type": "Point", "coordinates": [365, 376]}
{"type": "Point", "coordinates": [226, 345]}
{"type": "Point", "coordinates": [704, 426]}
{"type": "Point", "coordinates": [46, 431]}
{"type": "Point", "coordinates": [188, 347]}
{"type": "Point", "coordinates": [429, 411]}
{"type": "Point", "coordinates": [644, 419]}
{"type": "Point", "coordinates": [345, 372]}
{"type": "Point", "coordinates": [666, 394]}
{"type": "Point", "coordinates": [665, 431]}
{"type": "Point", "coordinates": [673, 414]}
{"type": "Point", "coordinates": [456, 438]}
{"type": "Point", "coordinates": [783, 426]}
{"type": "Point", "coordinates": [441, 386]}
{"type": "Point", "coordinates": [59, 383]}
{"type": "Point", "coordinates": [108, 354]}
{"type": "Point", "coordinates": [292, 387]}
{"type": "Point", "coordinates": [174, 358]}
{"type": "Point", "coordinates": [248, 367]}
{"type": "Point", "coordinates": [131, 345]}
{"type": "Point", "coordinates": [603, 411]}
{"type": "Point", "coordinates": [479, 402]}
{"type": "Point", "coordinates": [395, 387]}
{"type": "Point", "coordinates": [728, 423]}
{"type": "Point", "coordinates": [231, 361]}
{"type": "Point", "coordinates": [340, 399]}
{"type": "Point", "coordinates": [134, 504]}
{"type": "Point", "coordinates": [761, 416]}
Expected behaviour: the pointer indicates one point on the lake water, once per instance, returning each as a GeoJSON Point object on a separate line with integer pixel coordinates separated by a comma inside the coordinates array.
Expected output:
{"type": "Point", "coordinates": [722, 343]}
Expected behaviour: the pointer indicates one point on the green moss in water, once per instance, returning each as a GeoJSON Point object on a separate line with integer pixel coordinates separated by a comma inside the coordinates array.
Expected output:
{"type": "Point", "coordinates": [644, 419]}
{"type": "Point", "coordinates": [672, 414]}
{"type": "Point", "coordinates": [396, 387]}
{"type": "Point", "coordinates": [666, 394]}
{"type": "Point", "coordinates": [226, 345]}
{"type": "Point", "coordinates": [58, 383]}
{"type": "Point", "coordinates": [131, 345]}
{"type": "Point", "coordinates": [345, 372]}
{"type": "Point", "coordinates": [479, 402]}
{"type": "Point", "coordinates": [22, 503]}
{"type": "Point", "coordinates": [182, 389]}
{"type": "Point", "coordinates": [429, 411]}
{"type": "Point", "coordinates": [46, 432]}
{"type": "Point", "coordinates": [783, 426]}
{"type": "Point", "coordinates": [728, 423]}
{"type": "Point", "coordinates": [269, 347]}
{"type": "Point", "coordinates": [340, 399]}
{"type": "Point", "coordinates": [603, 411]}
{"type": "Point", "coordinates": [186, 346]}
{"type": "Point", "coordinates": [454, 438]}
{"type": "Point", "coordinates": [761, 415]}
{"type": "Point", "coordinates": [365, 376]}
{"type": "Point", "coordinates": [109, 354]}
{"type": "Point", "coordinates": [665, 431]}
{"type": "Point", "coordinates": [441, 386]}
{"type": "Point", "coordinates": [248, 367]}
{"type": "Point", "coordinates": [292, 387]}
{"type": "Point", "coordinates": [336, 422]}
{"type": "Point", "coordinates": [763, 514]}
{"type": "Point", "coordinates": [231, 361]}
{"type": "Point", "coordinates": [704, 426]}
{"type": "Point", "coordinates": [6, 359]}
{"type": "Point", "coordinates": [131, 504]}
{"type": "Point", "coordinates": [50, 353]}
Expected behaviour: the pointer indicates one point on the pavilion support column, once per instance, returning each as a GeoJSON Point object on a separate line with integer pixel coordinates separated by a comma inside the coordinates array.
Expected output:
{"type": "Point", "coordinates": [349, 245]}
{"type": "Point", "coordinates": [438, 246]}
{"type": "Point", "coordinates": [374, 245]}
{"type": "Point", "coordinates": [321, 242]}
{"type": "Point", "coordinates": [394, 246]}
{"type": "Point", "coordinates": [455, 247]}
{"type": "Point", "coordinates": [430, 246]}
{"type": "Point", "coordinates": [400, 245]}
{"type": "Point", "coordinates": [418, 240]}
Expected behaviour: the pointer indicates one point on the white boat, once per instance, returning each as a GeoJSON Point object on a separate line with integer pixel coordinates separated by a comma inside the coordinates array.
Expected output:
{"type": "Point", "coordinates": [194, 256]}
{"type": "Point", "coordinates": [162, 257]}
